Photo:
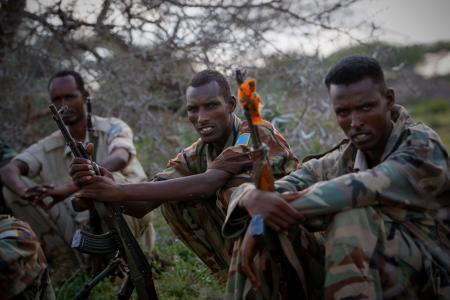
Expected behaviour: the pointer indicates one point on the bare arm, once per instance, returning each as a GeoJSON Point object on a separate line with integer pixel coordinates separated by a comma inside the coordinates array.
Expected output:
{"type": "Point", "coordinates": [10, 176]}
{"type": "Point", "coordinates": [199, 186]}
{"type": "Point", "coordinates": [117, 160]}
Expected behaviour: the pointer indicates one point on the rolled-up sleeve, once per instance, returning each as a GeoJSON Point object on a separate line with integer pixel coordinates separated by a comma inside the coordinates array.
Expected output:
{"type": "Point", "coordinates": [121, 136]}
{"type": "Point", "coordinates": [32, 156]}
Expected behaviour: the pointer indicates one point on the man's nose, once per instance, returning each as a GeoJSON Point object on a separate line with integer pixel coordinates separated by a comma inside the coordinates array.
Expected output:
{"type": "Point", "coordinates": [356, 120]}
{"type": "Point", "coordinates": [203, 116]}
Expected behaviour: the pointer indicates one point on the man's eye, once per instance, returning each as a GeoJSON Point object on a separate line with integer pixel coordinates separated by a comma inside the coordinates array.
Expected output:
{"type": "Point", "coordinates": [190, 109]}
{"type": "Point", "coordinates": [342, 113]}
{"type": "Point", "coordinates": [212, 105]}
{"type": "Point", "coordinates": [366, 108]}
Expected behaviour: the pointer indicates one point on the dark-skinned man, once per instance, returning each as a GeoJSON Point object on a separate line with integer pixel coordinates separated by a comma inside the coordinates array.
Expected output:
{"type": "Point", "coordinates": [380, 199]}
{"type": "Point", "coordinates": [50, 158]}
{"type": "Point", "coordinates": [189, 189]}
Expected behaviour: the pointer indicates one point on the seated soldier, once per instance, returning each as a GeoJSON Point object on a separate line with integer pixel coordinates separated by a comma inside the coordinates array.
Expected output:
{"type": "Point", "coordinates": [55, 221]}
{"type": "Point", "coordinates": [380, 198]}
{"type": "Point", "coordinates": [23, 268]}
{"type": "Point", "coordinates": [186, 194]}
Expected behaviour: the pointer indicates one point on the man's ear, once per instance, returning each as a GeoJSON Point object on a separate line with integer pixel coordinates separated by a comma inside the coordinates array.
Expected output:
{"type": "Point", "coordinates": [232, 104]}
{"type": "Point", "coordinates": [390, 97]}
{"type": "Point", "coordinates": [85, 95]}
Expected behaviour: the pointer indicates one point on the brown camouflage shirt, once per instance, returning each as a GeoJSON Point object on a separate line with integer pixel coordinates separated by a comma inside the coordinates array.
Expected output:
{"type": "Point", "coordinates": [198, 223]}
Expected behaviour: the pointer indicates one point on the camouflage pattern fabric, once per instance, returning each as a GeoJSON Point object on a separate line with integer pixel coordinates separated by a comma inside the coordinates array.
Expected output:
{"type": "Point", "coordinates": [23, 269]}
{"type": "Point", "coordinates": [386, 228]}
{"type": "Point", "coordinates": [198, 223]}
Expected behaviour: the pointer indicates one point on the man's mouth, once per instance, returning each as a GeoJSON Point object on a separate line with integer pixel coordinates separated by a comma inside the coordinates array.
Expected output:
{"type": "Point", "coordinates": [206, 130]}
{"type": "Point", "coordinates": [361, 138]}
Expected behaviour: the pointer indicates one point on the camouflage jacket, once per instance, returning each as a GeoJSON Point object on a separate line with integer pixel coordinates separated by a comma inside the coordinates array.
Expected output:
{"type": "Point", "coordinates": [412, 181]}
{"type": "Point", "coordinates": [198, 223]}
{"type": "Point", "coordinates": [23, 268]}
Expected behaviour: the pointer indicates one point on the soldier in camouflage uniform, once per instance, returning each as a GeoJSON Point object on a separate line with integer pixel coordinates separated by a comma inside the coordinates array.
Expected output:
{"type": "Point", "coordinates": [23, 269]}
{"type": "Point", "coordinates": [191, 202]}
{"type": "Point", "coordinates": [55, 221]}
{"type": "Point", "coordinates": [380, 199]}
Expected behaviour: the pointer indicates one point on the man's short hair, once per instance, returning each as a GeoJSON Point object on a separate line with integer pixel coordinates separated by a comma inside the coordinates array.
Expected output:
{"type": "Point", "coordinates": [352, 69]}
{"type": "Point", "coordinates": [63, 73]}
{"type": "Point", "coordinates": [207, 76]}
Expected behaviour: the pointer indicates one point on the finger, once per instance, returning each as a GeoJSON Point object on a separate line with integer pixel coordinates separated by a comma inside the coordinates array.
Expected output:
{"type": "Point", "coordinates": [80, 161]}
{"type": "Point", "coordinates": [80, 168]}
{"type": "Point", "coordinates": [289, 211]}
{"type": "Point", "coordinates": [83, 178]}
{"type": "Point", "coordinates": [277, 224]}
{"type": "Point", "coordinates": [48, 186]}
{"type": "Point", "coordinates": [289, 197]}
{"type": "Point", "coordinates": [90, 149]}
{"type": "Point", "coordinates": [272, 225]}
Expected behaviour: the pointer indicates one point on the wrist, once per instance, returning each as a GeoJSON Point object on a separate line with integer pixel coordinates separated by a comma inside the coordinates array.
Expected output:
{"type": "Point", "coordinates": [246, 195]}
{"type": "Point", "coordinates": [21, 192]}
{"type": "Point", "coordinates": [123, 192]}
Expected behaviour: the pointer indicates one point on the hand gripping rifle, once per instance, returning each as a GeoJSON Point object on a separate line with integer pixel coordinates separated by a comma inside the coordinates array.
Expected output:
{"type": "Point", "coordinates": [118, 240]}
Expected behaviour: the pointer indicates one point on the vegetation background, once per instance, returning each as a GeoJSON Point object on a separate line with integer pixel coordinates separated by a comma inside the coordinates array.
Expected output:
{"type": "Point", "coordinates": [137, 57]}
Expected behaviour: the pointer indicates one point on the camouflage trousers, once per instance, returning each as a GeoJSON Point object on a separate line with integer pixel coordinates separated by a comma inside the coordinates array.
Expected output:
{"type": "Point", "coordinates": [199, 225]}
{"type": "Point", "coordinates": [359, 254]}
{"type": "Point", "coordinates": [55, 228]}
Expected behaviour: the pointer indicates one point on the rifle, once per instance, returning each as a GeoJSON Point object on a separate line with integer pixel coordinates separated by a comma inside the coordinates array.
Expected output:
{"type": "Point", "coordinates": [262, 176]}
{"type": "Point", "coordinates": [119, 239]}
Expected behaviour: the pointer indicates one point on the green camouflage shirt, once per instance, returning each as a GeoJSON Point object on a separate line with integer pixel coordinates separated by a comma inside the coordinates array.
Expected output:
{"type": "Point", "coordinates": [410, 187]}
{"type": "Point", "coordinates": [198, 223]}
{"type": "Point", "coordinates": [412, 181]}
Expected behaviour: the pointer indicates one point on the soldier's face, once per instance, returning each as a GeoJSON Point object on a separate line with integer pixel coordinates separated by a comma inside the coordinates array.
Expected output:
{"type": "Point", "coordinates": [64, 92]}
{"type": "Point", "coordinates": [363, 112]}
{"type": "Point", "coordinates": [210, 113]}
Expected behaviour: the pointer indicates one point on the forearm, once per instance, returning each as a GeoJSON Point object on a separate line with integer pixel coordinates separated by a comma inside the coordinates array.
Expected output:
{"type": "Point", "coordinates": [199, 186]}
{"type": "Point", "coordinates": [139, 209]}
{"type": "Point", "coordinates": [117, 160]}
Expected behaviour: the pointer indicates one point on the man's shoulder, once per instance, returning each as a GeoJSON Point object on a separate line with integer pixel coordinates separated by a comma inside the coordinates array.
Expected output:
{"type": "Point", "coordinates": [52, 142]}
{"type": "Point", "coordinates": [106, 124]}
{"type": "Point", "coordinates": [420, 132]}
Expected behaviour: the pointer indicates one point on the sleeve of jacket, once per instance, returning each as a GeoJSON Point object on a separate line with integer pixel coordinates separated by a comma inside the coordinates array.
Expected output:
{"type": "Point", "coordinates": [411, 177]}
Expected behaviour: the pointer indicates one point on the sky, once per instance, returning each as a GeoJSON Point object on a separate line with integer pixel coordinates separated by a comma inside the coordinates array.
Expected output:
{"type": "Point", "coordinates": [410, 21]}
{"type": "Point", "coordinates": [401, 22]}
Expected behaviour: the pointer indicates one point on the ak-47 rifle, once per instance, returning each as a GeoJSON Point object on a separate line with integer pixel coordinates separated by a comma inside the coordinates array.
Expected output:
{"type": "Point", "coordinates": [262, 174]}
{"type": "Point", "coordinates": [250, 102]}
{"type": "Point", "coordinates": [119, 240]}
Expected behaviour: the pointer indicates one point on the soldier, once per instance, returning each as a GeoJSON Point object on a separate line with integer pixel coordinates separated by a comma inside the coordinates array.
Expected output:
{"type": "Point", "coordinates": [380, 197]}
{"type": "Point", "coordinates": [50, 159]}
{"type": "Point", "coordinates": [23, 268]}
{"type": "Point", "coordinates": [191, 200]}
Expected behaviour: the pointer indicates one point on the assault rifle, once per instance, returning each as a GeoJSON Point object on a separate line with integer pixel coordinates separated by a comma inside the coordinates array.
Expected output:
{"type": "Point", "coordinates": [263, 179]}
{"type": "Point", "coordinates": [118, 240]}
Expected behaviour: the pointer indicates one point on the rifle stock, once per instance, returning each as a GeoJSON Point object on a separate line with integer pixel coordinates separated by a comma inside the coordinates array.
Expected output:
{"type": "Point", "coordinates": [120, 235]}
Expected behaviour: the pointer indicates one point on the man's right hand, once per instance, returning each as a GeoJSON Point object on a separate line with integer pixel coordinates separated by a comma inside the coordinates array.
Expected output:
{"type": "Point", "coordinates": [102, 188]}
{"type": "Point", "coordinates": [273, 207]}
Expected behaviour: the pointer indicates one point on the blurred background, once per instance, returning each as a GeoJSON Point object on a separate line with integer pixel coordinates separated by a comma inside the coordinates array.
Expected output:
{"type": "Point", "coordinates": [137, 57]}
